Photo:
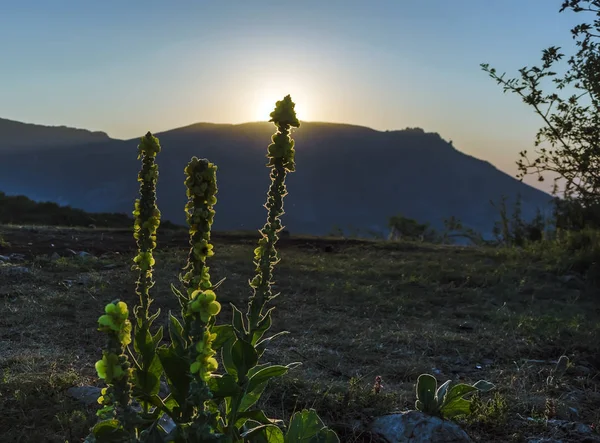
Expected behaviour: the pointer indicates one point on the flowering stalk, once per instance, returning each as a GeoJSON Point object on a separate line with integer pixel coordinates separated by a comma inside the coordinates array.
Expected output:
{"type": "Point", "coordinates": [115, 368]}
{"type": "Point", "coordinates": [200, 306]}
{"type": "Point", "coordinates": [147, 220]}
{"type": "Point", "coordinates": [281, 161]}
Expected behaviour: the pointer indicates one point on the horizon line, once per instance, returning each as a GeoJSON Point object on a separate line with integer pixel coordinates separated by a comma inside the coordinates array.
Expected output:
{"type": "Point", "coordinates": [64, 126]}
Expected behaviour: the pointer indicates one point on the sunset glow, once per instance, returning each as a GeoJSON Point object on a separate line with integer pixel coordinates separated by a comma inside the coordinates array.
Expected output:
{"type": "Point", "coordinates": [264, 104]}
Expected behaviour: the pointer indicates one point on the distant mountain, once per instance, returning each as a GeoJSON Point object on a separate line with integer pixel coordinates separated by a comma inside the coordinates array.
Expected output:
{"type": "Point", "coordinates": [347, 176]}
{"type": "Point", "coordinates": [17, 135]}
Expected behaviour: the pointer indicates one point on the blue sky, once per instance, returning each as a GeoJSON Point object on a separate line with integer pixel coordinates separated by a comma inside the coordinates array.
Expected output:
{"type": "Point", "coordinates": [126, 67]}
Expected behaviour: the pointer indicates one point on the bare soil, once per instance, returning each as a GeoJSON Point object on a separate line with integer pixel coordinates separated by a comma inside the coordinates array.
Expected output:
{"type": "Point", "coordinates": [354, 310]}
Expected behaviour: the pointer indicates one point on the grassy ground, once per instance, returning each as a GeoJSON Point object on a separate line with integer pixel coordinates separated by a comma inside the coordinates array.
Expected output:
{"type": "Point", "coordinates": [354, 310]}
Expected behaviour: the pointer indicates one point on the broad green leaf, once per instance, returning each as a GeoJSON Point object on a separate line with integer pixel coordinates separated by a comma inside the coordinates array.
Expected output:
{"type": "Point", "coordinates": [257, 368]}
{"type": "Point", "coordinates": [325, 435]}
{"type": "Point", "coordinates": [441, 392]}
{"type": "Point", "coordinates": [458, 406]}
{"type": "Point", "coordinates": [251, 397]}
{"type": "Point", "coordinates": [457, 392]}
{"type": "Point", "coordinates": [154, 434]}
{"type": "Point", "coordinates": [223, 386]}
{"type": "Point", "coordinates": [176, 333]}
{"type": "Point", "coordinates": [256, 415]}
{"type": "Point", "coordinates": [177, 372]}
{"type": "Point", "coordinates": [168, 403]}
{"type": "Point", "coordinates": [303, 427]}
{"type": "Point", "coordinates": [158, 336]}
{"type": "Point", "coordinates": [109, 431]}
{"type": "Point", "coordinates": [238, 322]}
{"type": "Point", "coordinates": [224, 333]}
{"type": "Point", "coordinates": [244, 357]}
{"type": "Point", "coordinates": [263, 326]}
{"type": "Point", "coordinates": [147, 382]}
{"type": "Point", "coordinates": [144, 346]}
{"type": "Point", "coordinates": [264, 434]}
{"type": "Point", "coordinates": [227, 357]}
{"type": "Point", "coordinates": [265, 375]}
{"type": "Point", "coordinates": [484, 386]}
{"type": "Point", "coordinates": [419, 406]}
{"type": "Point", "coordinates": [147, 375]}
{"type": "Point", "coordinates": [426, 388]}
{"type": "Point", "coordinates": [106, 426]}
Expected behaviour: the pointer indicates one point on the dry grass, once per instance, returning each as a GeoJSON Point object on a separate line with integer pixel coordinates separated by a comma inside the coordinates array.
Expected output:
{"type": "Point", "coordinates": [354, 310]}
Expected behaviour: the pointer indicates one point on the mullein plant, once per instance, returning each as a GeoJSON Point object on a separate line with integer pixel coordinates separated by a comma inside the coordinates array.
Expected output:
{"type": "Point", "coordinates": [202, 405]}
{"type": "Point", "coordinates": [147, 369]}
{"type": "Point", "coordinates": [119, 420]}
{"type": "Point", "coordinates": [241, 343]}
{"type": "Point", "coordinates": [190, 361]}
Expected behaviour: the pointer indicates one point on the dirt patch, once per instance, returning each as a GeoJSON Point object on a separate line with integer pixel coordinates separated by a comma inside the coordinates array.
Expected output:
{"type": "Point", "coordinates": [354, 310]}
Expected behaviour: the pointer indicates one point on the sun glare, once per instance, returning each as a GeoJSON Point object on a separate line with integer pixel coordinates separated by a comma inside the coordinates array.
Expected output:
{"type": "Point", "coordinates": [265, 104]}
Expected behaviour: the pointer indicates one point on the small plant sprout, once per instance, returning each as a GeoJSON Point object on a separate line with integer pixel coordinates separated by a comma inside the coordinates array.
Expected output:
{"type": "Point", "coordinates": [202, 405]}
{"type": "Point", "coordinates": [446, 402]}
{"type": "Point", "coordinates": [558, 371]}
{"type": "Point", "coordinates": [378, 386]}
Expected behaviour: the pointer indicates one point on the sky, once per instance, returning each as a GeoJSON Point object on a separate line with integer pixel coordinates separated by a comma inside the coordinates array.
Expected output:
{"type": "Point", "coordinates": [127, 67]}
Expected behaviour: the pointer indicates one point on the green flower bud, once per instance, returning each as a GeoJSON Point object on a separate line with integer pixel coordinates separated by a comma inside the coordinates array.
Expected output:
{"type": "Point", "coordinates": [109, 368]}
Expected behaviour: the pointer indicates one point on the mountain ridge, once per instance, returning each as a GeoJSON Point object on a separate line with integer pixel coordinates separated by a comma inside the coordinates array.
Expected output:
{"type": "Point", "coordinates": [19, 135]}
{"type": "Point", "coordinates": [347, 175]}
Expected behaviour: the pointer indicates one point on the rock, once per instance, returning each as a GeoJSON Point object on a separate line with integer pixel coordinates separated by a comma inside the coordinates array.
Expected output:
{"type": "Point", "coordinates": [89, 396]}
{"type": "Point", "coordinates": [416, 427]}
{"type": "Point", "coordinates": [18, 270]}
{"type": "Point", "coordinates": [580, 429]}
{"type": "Point", "coordinates": [85, 394]}
{"type": "Point", "coordinates": [4, 258]}
{"type": "Point", "coordinates": [167, 423]}
{"type": "Point", "coordinates": [164, 389]}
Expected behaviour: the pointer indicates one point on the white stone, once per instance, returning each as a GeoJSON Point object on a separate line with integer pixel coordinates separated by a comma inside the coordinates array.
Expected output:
{"type": "Point", "coordinates": [416, 427]}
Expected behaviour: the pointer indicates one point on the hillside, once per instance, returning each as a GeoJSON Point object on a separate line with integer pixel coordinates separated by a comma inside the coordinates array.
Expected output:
{"type": "Point", "coordinates": [354, 310]}
{"type": "Point", "coordinates": [20, 210]}
{"type": "Point", "coordinates": [17, 135]}
{"type": "Point", "coordinates": [347, 176]}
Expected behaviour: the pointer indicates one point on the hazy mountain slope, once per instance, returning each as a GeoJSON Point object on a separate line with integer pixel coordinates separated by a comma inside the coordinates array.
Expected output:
{"type": "Point", "coordinates": [17, 135]}
{"type": "Point", "coordinates": [346, 175]}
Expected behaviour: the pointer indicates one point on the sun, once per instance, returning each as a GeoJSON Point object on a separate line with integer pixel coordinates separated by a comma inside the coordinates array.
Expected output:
{"type": "Point", "coordinates": [265, 104]}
